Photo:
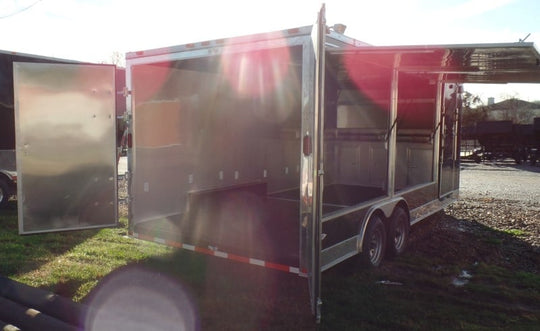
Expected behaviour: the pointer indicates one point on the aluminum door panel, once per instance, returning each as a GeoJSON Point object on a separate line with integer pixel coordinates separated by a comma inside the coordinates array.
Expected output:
{"type": "Point", "coordinates": [65, 146]}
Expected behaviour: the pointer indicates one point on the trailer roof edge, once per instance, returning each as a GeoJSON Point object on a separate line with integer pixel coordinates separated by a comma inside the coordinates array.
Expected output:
{"type": "Point", "coordinates": [299, 31]}
{"type": "Point", "coordinates": [40, 57]}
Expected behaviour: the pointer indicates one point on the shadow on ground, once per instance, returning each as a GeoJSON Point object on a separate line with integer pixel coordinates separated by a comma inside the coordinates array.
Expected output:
{"type": "Point", "coordinates": [22, 254]}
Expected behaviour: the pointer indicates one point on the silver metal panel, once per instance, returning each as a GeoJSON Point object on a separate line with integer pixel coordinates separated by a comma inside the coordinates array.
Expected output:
{"type": "Point", "coordinates": [66, 146]}
{"type": "Point", "coordinates": [420, 194]}
{"type": "Point", "coordinates": [351, 163]}
{"type": "Point", "coordinates": [281, 162]}
{"type": "Point", "coordinates": [431, 207]}
{"type": "Point", "coordinates": [414, 164]}
{"type": "Point", "coordinates": [307, 162]}
{"type": "Point", "coordinates": [420, 164]}
{"type": "Point", "coordinates": [449, 152]}
{"type": "Point", "coordinates": [340, 252]}
{"type": "Point", "coordinates": [311, 181]}
{"type": "Point", "coordinates": [356, 162]}
{"type": "Point", "coordinates": [378, 163]}
{"type": "Point", "coordinates": [392, 128]}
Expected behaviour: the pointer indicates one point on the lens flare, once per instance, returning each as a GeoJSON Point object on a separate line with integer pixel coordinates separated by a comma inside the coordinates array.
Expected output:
{"type": "Point", "coordinates": [371, 75]}
{"type": "Point", "coordinates": [149, 82]}
{"type": "Point", "coordinates": [133, 298]}
{"type": "Point", "coordinates": [256, 72]}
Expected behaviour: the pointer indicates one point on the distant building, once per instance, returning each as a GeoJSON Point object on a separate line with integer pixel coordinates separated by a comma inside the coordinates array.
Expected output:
{"type": "Point", "coordinates": [518, 111]}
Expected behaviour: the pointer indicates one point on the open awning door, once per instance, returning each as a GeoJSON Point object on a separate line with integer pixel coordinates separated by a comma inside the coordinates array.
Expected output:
{"type": "Point", "coordinates": [468, 63]}
{"type": "Point", "coordinates": [371, 70]}
{"type": "Point", "coordinates": [65, 146]}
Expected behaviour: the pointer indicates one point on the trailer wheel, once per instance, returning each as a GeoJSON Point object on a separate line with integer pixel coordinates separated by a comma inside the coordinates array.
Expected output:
{"type": "Point", "coordinates": [4, 193]}
{"type": "Point", "coordinates": [398, 232]}
{"type": "Point", "coordinates": [374, 244]}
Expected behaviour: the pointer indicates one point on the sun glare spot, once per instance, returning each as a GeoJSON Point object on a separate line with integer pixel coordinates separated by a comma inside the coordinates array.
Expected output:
{"type": "Point", "coordinates": [134, 298]}
{"type": "Point", "coordinates": [150, 80]}
{"type": "Point", "coordinates": [371, 76]}
{"type": "Point", "coordinates": [256, 72]}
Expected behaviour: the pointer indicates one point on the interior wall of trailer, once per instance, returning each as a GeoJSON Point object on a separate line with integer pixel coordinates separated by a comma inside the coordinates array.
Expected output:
{"type": "Point", "coordinates": [358, 123]}
{"type": "Point", "coordinates": [356, 126]}
{"type": "Point", "coordinates": [417, 106]}
{"type": "Point", "coordinates": [211, 124]}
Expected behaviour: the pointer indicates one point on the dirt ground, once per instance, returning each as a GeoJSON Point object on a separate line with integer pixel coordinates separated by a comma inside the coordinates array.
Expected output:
{"type": "Point", "coordinates": [496, 220]}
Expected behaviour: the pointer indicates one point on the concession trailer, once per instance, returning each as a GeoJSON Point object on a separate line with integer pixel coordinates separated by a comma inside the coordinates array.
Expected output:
{"type": "Point", "coordinates": [293, 150]}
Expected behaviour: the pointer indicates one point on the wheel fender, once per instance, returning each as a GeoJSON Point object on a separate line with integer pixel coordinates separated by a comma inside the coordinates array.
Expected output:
{"type": "Point", "coordinates": [386, 208]}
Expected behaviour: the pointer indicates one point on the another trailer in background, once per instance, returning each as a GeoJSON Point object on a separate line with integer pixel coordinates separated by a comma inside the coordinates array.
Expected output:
{"type": "Point", "coordinates": [498, 140]}
{"type": "Point", "coordinates": [8, 164]}
{"type": "Point", "coordinates": [293, 150]}
{"type": "Point", "coordinates": [8, 168]}
{"type": "Point", "coordinates": [535, 150]}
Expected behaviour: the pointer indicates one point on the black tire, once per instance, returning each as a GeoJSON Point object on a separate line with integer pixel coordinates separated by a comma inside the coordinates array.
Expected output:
{"type": "Point", "coordinates": [4, 193]}
{"type": "Point", "coordinates": [374, 243]}
{"type": "Point", "coordinates": [398, 232]}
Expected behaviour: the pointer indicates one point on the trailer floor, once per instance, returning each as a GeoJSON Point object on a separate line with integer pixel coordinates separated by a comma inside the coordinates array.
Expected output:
{"type": "Point", "coordinates": [339, 195]}
{"type": "Point", "coordinates": [255, 227]}
{"type": "Point", "coordinates": [250, 225]}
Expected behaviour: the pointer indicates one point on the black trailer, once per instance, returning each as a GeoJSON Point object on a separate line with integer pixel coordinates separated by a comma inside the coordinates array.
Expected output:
{"type": "Point", "coordinates": [500, 140]}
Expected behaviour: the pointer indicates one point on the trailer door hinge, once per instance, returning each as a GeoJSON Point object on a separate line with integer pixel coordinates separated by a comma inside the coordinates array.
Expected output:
{"type": "Point", "coordinates": [320, 172]}
{"type": "Point", "coordinates": [318, 311]}
{"type": "Point", "coordinates": [125, 92]}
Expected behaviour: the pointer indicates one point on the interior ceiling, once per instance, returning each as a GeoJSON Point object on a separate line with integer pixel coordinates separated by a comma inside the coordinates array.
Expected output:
{"type": "Point", "coordinates": [469, 63]}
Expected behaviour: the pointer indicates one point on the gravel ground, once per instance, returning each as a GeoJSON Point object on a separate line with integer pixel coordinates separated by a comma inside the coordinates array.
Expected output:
{"type": "Point", "coordinates": [500, 202]}
{"type": "Point", "coordinates": [503, 196]}
{"type": "Point", "coordinates": [501, 180]}
{"type": "Point", "coordinates": [122, 196]}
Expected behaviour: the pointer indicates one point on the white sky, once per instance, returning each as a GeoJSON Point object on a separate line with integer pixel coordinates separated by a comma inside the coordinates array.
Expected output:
{"type": "Point", "coordinates": [91, 30]}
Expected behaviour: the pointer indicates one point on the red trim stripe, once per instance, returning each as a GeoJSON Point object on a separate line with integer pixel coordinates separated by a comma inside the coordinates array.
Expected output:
{"type": "Point", "coordinates": [220, 254]}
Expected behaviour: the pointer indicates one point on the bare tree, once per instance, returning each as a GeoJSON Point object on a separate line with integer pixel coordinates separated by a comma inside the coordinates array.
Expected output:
{"type": "Point", "coordinates": [473, 109]}
{"type": "Point", "coordinates": [118, 59]}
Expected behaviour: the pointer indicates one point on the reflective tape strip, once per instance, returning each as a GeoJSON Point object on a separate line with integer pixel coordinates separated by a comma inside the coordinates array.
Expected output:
{"type": "Point", "coordinates": [188, 247]}
{"type": "Point", "coordinates": [224, 255]}
{"type": "Point", "coordinates": [221, 254]}
{"type": "Point", "coordinates": [258, 262]}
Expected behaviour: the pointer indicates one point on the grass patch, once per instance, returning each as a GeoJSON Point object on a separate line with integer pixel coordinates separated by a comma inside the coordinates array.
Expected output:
{"type": "Point", "coordinates": [515, 232]}
{"type": "Point", "coordinates": [68, 263]}
{"type": "Point", "coordinates": [495, 298]}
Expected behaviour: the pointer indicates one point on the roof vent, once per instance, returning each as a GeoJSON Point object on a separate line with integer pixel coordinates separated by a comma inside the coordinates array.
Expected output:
{"type": "Point", "coordinates": [339, 28]}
